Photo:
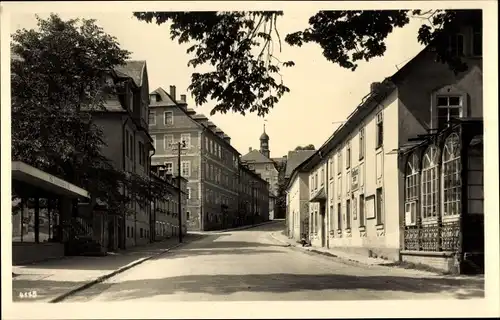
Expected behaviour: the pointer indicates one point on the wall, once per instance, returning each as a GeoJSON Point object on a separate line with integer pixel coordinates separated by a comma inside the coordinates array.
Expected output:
{"type": "Point", "coordinates": [25, 253]}
{"type": "Point", "coordinates": [182, 125]}
{"type": "Point", "coordinates": [298, 205]}
{"type": "Point", "coordinates": [220, 182]}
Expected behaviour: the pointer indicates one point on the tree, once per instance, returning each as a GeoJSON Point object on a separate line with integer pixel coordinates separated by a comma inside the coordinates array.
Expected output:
{"type": "Point", "coordinates": [57, 83]}
{"type": "Point", "coordinates": [239, 47]}
{"type": "Point", "coordinates": [308, 147]}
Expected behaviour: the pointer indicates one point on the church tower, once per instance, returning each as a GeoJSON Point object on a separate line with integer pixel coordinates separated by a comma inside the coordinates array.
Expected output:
{"type": "Point", "coordinates": [264, 143]}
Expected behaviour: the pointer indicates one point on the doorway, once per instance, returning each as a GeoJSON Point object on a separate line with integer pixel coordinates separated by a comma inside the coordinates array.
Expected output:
{"type": "Point", "coordinates": [323, 224]}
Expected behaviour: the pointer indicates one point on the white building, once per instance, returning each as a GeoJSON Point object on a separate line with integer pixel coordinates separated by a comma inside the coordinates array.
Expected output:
{"type": "Point", "coordinates": [356, 179]}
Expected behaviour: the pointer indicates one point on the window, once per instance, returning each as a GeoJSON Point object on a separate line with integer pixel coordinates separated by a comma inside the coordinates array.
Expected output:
{"type": "Point", "coordinates": [322, 176]}
{"type": "Point", "coordinates": [330, 168]}
{"type": "Point", "coordinates": [142, 154]}
{"type": "Point", "coordinates": [154, 141]}
{"type": "Point", "coordinates": [186, 168]}
{"type": "Point", "coordinates": [361, 143]}
{"type": "Point", "coordinates": [331, 219]}
{"type": "Point", "coordinates": [188, 215]}
{"type": "Point", "coordinates": [188, 193]}
{"type": "Point", "coordinates": [128, 231]}
{"type": "Point", "coordinates": [362, 216]}
{"type": "Point", "coordinates": [448, 108]}
{"type": "Point", "coordinates": [430, 183]}
{"type": "Point", "coordinates": [348, 214]}
{"type": "Point", "coordinates": [207, 145]}
{"type": "Point", "coordinates": [186, 140]}
{"type": "Point", "coordinates": [212, 146]}
{"type": "Point", "coordinates": [168, 141]}
{"type": "Point", "coordinates": [339, 216]}
{"type": "Point", "coordinates": [169, 167]}
{"type": "Point", "coordinates": [412, 183]}
{"type": "Point", "coordinates": [456, 45]}
{"type": "Point", "coordinates": [380, 213]}
{"type": "Point", "coordinates": [348, 156]}
{"type": "Point", "coordinates": [452, 182]}
{"type": "Point", "coordinates": [168, 118]}
{"type": "Point", "coordinates": [380, 130]}
{"type": "Point", "coordinates": [127, 147]}
{"type": "Point", "coordinates": [339, 162]}
{"type": "Point", "coordinates": [152, 118]}
{"type": "Point", "coordinates": [219, 151]}
{"type": "Point", "coordinates": [331, 191]}
{"type": "Point", "coordinates": [141, 233]}
{"type": "Point", "coordinates": [316, 181]}
{"type": "Point", "coordinates": [131, 143]}
{"type": "Point", "coordinates": [477, 41]}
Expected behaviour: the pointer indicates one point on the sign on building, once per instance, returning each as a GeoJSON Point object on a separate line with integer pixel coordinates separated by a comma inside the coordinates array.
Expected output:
{"type": "Point", "coordinates": [355, 178]}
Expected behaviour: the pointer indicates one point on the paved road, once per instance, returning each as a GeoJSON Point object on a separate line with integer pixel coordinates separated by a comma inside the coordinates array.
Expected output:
{"type": "Point", "coordinates": [251, 265]}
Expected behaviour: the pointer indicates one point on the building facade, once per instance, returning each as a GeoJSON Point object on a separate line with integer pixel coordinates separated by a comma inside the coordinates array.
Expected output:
{"type": "Point", "coordinates": [297, 195]}
{"type": "Point", "coordinates": [253, 198]}
{"type": "Point", "coordinates": [165, 210]}
{"type": "Point", "coordinates": [208, 161]}
{"type": "Point", "coordinates": [357, 179]}
{"type": "Point", "coordinates": [262, 164]}
{"type": "Point", "coordinates": [129, 146]}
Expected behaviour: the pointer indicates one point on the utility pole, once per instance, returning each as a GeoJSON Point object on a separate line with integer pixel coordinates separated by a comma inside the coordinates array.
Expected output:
{"type": "Point", "coordinates": [179, 145]}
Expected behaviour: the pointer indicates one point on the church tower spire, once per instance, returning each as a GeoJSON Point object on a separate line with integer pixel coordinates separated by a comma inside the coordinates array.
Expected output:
{"type": "Point", "coordinates": [264, 143]}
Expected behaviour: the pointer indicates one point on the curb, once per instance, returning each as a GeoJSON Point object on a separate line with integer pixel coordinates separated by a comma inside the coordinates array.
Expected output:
{"type": "Point", "coordinates": [113, 273]}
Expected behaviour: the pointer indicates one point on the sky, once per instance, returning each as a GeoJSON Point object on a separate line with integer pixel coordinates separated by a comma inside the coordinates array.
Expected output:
{"type": "Point", "coordinates": [321, 95]}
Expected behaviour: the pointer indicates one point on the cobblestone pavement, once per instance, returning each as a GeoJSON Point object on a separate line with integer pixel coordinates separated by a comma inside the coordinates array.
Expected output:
{"type": "Point", "coordinates": [252, 265]}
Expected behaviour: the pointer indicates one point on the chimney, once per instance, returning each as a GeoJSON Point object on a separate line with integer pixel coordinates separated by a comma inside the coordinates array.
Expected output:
{"type": "Point", "coordinates": [183, 98]}
{"type": "Point", "coordinates": [374, 86]}
{"type": "Point", "coordinates": [250, 149]}
{"type": "Point", "coordinates": [172, 93]}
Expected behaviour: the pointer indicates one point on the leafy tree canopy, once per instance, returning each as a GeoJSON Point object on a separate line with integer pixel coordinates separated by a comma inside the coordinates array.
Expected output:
{"type": "Point", "coordinates": [238, 47]}
{"type": "Point", "coordinates": [57, 83]}
{"type": "Point", "coordinates": [308, 147]}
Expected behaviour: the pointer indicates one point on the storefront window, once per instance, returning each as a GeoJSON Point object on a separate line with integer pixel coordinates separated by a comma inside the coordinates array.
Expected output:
{"type": "Point", "coordinates": [452, 182]}
{"type": "Point", "coordinates": [430, 183]}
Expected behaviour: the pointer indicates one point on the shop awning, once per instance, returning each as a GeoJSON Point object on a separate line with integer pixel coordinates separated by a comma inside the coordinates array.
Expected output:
{"type": "Point", "coordinates": [47, 183]}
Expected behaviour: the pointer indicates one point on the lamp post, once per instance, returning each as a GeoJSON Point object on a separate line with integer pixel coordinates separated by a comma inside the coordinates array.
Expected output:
{"type": "Point", "coordinates": [180, 144]}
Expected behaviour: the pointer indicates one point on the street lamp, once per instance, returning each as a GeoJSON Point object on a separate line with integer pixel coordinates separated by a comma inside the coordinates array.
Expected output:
{"type": "Point", "coordinates": [180, 144]}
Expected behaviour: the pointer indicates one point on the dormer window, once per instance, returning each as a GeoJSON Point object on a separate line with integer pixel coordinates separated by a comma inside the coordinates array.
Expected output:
{"type": "Point", "coordinates": [448, 108]}
{"type": "Point", "coordinates": [152, 97]}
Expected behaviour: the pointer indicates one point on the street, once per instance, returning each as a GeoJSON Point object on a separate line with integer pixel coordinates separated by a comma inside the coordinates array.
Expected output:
{"type": "Point", "coordinates": [252, 265]}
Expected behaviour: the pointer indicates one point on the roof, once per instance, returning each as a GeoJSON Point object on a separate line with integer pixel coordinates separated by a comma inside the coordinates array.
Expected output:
{"type": "Point", "coordinates": [264, 136]}
{"type": "Point", "coordinates": [295, 158]}
{"type": "Point", "coordinates": [255, 156]}
{"type": "Point", "coordinates": [165, 99]}
{"type": "Point", "coordinates": [134, 69]}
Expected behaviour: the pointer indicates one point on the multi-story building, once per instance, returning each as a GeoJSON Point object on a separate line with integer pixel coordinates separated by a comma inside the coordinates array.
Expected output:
{"type": "Point", "coordinates": [297, 194]}
{"type": "Point", "coordinates": [208, 160]}
{"type": "Point", "coordinates": [261, 163]}
{"type": "Point", "coordinates": [253, 198]}
{"type": "Point", "coordinates": [165, 210]}
{"type": "Point", "coordinates": [128, 145]}
{"type": "Point", "coordinates": [358, 197]}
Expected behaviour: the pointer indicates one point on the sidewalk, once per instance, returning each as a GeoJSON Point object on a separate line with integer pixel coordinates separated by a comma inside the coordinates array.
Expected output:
{"type": "Point", "coordinates": [330, 252]}
{"type": "Point", "coordinates": [364, 260]}
{"type": "Point", "coordinates": [56, 279]}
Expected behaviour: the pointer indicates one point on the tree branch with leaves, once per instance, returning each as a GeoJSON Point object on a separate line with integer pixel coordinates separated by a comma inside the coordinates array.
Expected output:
{"type": "Point", "coordinates": [239, 47]}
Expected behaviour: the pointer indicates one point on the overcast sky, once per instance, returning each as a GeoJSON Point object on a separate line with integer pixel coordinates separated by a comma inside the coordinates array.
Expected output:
{"type": "Point", "coordinates": [321, 93]}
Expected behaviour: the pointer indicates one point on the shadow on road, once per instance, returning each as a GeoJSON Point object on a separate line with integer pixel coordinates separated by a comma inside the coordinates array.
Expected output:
{"type": "Point", "coordinates": [220, 285]}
